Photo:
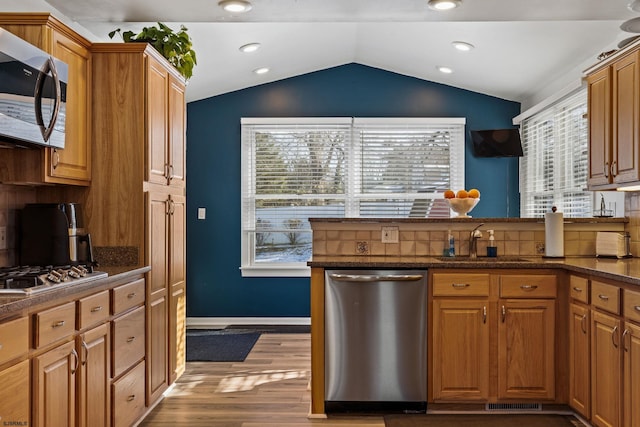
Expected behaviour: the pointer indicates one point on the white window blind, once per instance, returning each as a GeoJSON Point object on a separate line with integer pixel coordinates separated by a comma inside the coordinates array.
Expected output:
{"type": "Point", "coordinates": [553, 171]}
{"type": "Point", "coordinates": [297, 168]}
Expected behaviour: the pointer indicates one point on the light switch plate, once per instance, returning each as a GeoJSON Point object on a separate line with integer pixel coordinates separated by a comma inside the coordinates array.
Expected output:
{"type": "Point", "coordinates": [390, 234]}
{"type": "Point", "coordinates": [202, 213]}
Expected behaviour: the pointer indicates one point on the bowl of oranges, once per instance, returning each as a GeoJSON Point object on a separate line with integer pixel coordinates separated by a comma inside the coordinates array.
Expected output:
{"type": "Point", "coordinates": [462, 201]}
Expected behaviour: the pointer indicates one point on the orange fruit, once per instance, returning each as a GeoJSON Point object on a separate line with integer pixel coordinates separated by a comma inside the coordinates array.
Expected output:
{"type": "Point", "coordinates": [474, 193]}
{"type": "Point", "coordinates": [449, 194]}
{"type": "Point", "coordinates": [462, 194]}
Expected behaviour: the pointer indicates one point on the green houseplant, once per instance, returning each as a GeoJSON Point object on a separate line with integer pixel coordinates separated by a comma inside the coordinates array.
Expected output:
{"type": "Point", "coordinates": [175, 46]}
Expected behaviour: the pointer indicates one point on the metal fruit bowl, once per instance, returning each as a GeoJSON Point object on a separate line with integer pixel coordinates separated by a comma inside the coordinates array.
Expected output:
{"type": "Point", "coordinates": [462, 206]}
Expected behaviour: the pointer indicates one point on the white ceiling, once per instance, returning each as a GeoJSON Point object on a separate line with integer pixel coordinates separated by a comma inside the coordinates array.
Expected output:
{"type": "Point", "coordinates": [525, 49]}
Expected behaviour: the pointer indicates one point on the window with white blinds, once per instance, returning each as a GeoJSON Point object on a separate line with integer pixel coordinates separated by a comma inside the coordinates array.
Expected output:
{"type": "Point", "coordinates": [297, 168]}
{"type": "Point", "coordinates": [553, 171]}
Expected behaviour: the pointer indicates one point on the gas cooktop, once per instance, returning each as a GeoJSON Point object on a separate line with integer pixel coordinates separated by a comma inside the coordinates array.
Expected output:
{"type": "Point", "coordinates": [27, 280]}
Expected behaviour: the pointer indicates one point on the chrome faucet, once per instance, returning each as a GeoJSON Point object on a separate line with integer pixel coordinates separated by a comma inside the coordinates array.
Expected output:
{"type": "Point", "coordinates": [473, 241]}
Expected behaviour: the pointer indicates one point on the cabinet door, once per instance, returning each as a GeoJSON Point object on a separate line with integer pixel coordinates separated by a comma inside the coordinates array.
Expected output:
{"type": "Point", "coordinates": [157, 128]}
{"type": "Point", "coordinates": [93, 378]}
{"type": "Point", "coordinates": [460, 350]}
{"type": "Point", "coordinates": [599, 107]}
{"type": "Point", "coordinates": [579, 360]}
{"type": "Point", "coordinates": [526, 349]}
{"type": "Point", "coordinates": [631, 374]}
{"type": "Point", "coordinates": [157, 242]}
{"type": "Point", "coordinates": [177, 127]}
{"type": "Point", "coordinates": [625, 119]}
{"type": "Point", "coordinates": [54, 387]}
{"type": "Point", "coordinates": [14, 395]}
{"type": "Point", "coordinates": [158, 349]}
{"type": "Point", "coordinates": [74, 162]}
{"type": "Point", "coordinates": [605, 370]}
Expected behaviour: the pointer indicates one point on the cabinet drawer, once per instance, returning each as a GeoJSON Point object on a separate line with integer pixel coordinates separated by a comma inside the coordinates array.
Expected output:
{"type": "Point", "coordinates": [605, 296]}
{"type": "Point", "coordinates": [93, 309]}
{"type": "Point", "coordinates": [54, 324]}
{"type": "Point", "coordinates": [14, 339]}
{"type": "Point", "coordinates": [128, 296]}
{"type": "Point", "coordinates": [459, 284]}
{"type": "Point", "coordinates": [632, 305]}
{"type": "Point", "coordinates": [528, 286]}
{"type": "Point", "coordinates": [128, 397]}
{"type": "Point", "coordinates": [128, 340]}
{"type": "Point", "coordinates": [579, 289]}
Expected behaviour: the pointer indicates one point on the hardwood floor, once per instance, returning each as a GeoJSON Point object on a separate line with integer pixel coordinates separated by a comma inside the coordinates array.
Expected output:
{"type": "Point", "coordinates": [269, 389]}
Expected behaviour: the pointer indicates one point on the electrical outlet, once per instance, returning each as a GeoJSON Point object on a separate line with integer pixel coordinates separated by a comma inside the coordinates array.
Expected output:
{"type": "Point", "coordinates": [390, 234]}
{"type": "Point", "coordinates": [3, 238]}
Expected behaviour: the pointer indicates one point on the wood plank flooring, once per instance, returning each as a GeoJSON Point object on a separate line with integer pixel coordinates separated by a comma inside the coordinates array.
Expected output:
{"type": "Point", "coordinates": [269, 389]}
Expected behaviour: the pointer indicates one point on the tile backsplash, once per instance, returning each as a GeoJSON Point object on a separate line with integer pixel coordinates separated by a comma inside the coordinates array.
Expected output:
{"type": "Point", "coordinates": [12, 198]}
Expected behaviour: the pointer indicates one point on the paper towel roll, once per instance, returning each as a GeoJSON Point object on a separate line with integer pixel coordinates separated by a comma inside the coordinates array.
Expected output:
{"type": "Point", "coordinates": [554, 234]}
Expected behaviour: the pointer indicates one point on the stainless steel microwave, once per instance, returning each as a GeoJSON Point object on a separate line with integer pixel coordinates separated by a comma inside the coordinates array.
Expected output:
{"type": "Point", "coordinates": [33, 94]}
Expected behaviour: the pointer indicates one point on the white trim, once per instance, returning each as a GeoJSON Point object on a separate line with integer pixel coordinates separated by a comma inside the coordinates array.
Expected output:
{"type": "Point", "coordinates": [295, 120]}
{"type": "Point", "coordinates": [275, 271]}
{"type": "Point", "coordinates": [222, 322]}
{"type": "Point", "coordinates": [549, 101]}
{"type": "Point", "coordinates": [409, 121]}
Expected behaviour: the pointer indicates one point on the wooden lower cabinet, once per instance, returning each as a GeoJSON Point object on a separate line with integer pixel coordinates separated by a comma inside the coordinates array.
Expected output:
{"type": "Point", "coordinates": [94, 408]}
{"type": "Point", "coordinates": [526, 349]}
{"type": "Point", "coordinates": [157, 350]}
{"type": "Point", "coordinates": [54, 386]}
{"type": "Point", "coordinates": [631, 366]}
{"type": "Point", "coordinates": [129, 397]}
{"type": "Point", "coordinates": [579, 359]}
{"type": "Point", "coordinates": [14, 395]}
{"type": "Point", "coordinates": [177, 332]}
{"type": "Point", "coordinates": [606, 402]}
{"type": "Point", "coordinates": [460, 350]}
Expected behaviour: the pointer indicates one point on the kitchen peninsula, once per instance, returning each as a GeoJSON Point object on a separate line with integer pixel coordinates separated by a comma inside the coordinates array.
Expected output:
{"type": "Point", "coordinates": [524, 329]}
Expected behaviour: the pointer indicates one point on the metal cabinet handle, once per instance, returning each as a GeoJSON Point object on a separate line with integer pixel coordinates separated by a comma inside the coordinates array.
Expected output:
{"type": "Point", "coordinates": [614, 168]}
{"type": "Point", "coordinates": [528, 287]}
{"type": "Point", "coordinates": [636, 308]}
{"type": "Point", "coordinates": [577, 289]}
{"type": "Point", "coordinates": [58, 324]}
{"type": "Point", "coordinates": [624, 343]}
{"type": "Point", "coordinates": [131, 295]}
{"type": "Point", "coordinates": [376, 278]}
{"type": "Point", "coordinates": [613, 336]}
{"type": "Point", "coordinates": [55, 160]}
{"type": "Point", "coordinates": [96, 309]}
{"type": "Point", "coordinates": [85, 347]}
{"type": "Point", "coordinates": [603, 297]}
{"type": "Point", "coordinates": [484, 314]}
{"type": "Point", "coordinates": [504, 314]}
{"type": "Point", "coordinates": [171, 176]}
{"type": "Point", "coordinates": [583, 324]}
{"type": "Point", "coordinates": [460, 285]}
{"type": "Point", "coordinates": [74, 353]}
{"type": "Point", "coordinates": [131, 397]}
{"type": "Point", "coordinates": [131, 339]}
{"type": "Point", "coordinates": [606, 169]}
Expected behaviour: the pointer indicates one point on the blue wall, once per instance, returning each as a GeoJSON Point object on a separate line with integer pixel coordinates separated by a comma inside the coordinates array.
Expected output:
{"type": "Point", "coordinates": [215, 287]}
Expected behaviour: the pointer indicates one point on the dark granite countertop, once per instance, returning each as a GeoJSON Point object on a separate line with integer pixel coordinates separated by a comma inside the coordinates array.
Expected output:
{"type": "Point", "coordinates": [622, 270]}
{"type": "Point", "coordinates": [15, 305]}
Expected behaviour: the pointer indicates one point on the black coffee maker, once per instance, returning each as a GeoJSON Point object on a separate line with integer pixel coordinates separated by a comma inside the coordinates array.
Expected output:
{"type": "Point", "coordinates": [53, 234]}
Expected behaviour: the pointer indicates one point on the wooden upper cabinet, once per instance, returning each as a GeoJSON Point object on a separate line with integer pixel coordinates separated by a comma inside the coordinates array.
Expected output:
{"type": "Point", "coordinates": [166, 124]}
{"type": "Point", "coordinates": [72, 165]}
{"type": "Point", "coordinates": [613, 106]}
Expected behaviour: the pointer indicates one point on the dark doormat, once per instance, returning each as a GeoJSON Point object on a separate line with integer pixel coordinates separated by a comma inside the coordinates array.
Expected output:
{"type": "Point", "coordinates": [219, 345]}
{"type": "Point", "coordinates": [481, 420]}
{"type": "Point", "coordinates": [273, 329]}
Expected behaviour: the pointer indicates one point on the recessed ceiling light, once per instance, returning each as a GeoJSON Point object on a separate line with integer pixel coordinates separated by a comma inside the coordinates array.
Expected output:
{"type": "Point", "coordinates": [462, 46]}
{"type": "Point", "coordinates": [250, 47]}
{"type": "Point", "coordinates": [235, 6]}
{"type": "Point", "coordinates": [263, 70]}
{"type": "Point", "coordinates": [445, 70]}
{"type": "Point", "coordinates": [444, 4]}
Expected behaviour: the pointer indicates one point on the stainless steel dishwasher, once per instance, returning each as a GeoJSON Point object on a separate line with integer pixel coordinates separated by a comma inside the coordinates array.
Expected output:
{"type": "Point", "coordinates": [375, 340]}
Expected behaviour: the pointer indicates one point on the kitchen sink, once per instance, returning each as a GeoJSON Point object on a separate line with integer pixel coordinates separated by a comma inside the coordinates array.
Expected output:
{"type": "Point", "coordinates": [483, 259]}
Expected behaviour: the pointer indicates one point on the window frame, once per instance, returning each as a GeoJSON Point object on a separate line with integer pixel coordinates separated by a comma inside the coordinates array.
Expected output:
{"type": "Point", "coordinates": [250, 268]}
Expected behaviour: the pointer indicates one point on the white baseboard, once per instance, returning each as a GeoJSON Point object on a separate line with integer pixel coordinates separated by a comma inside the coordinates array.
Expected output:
{"type": "Point", "coordinates": [223, 322]}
